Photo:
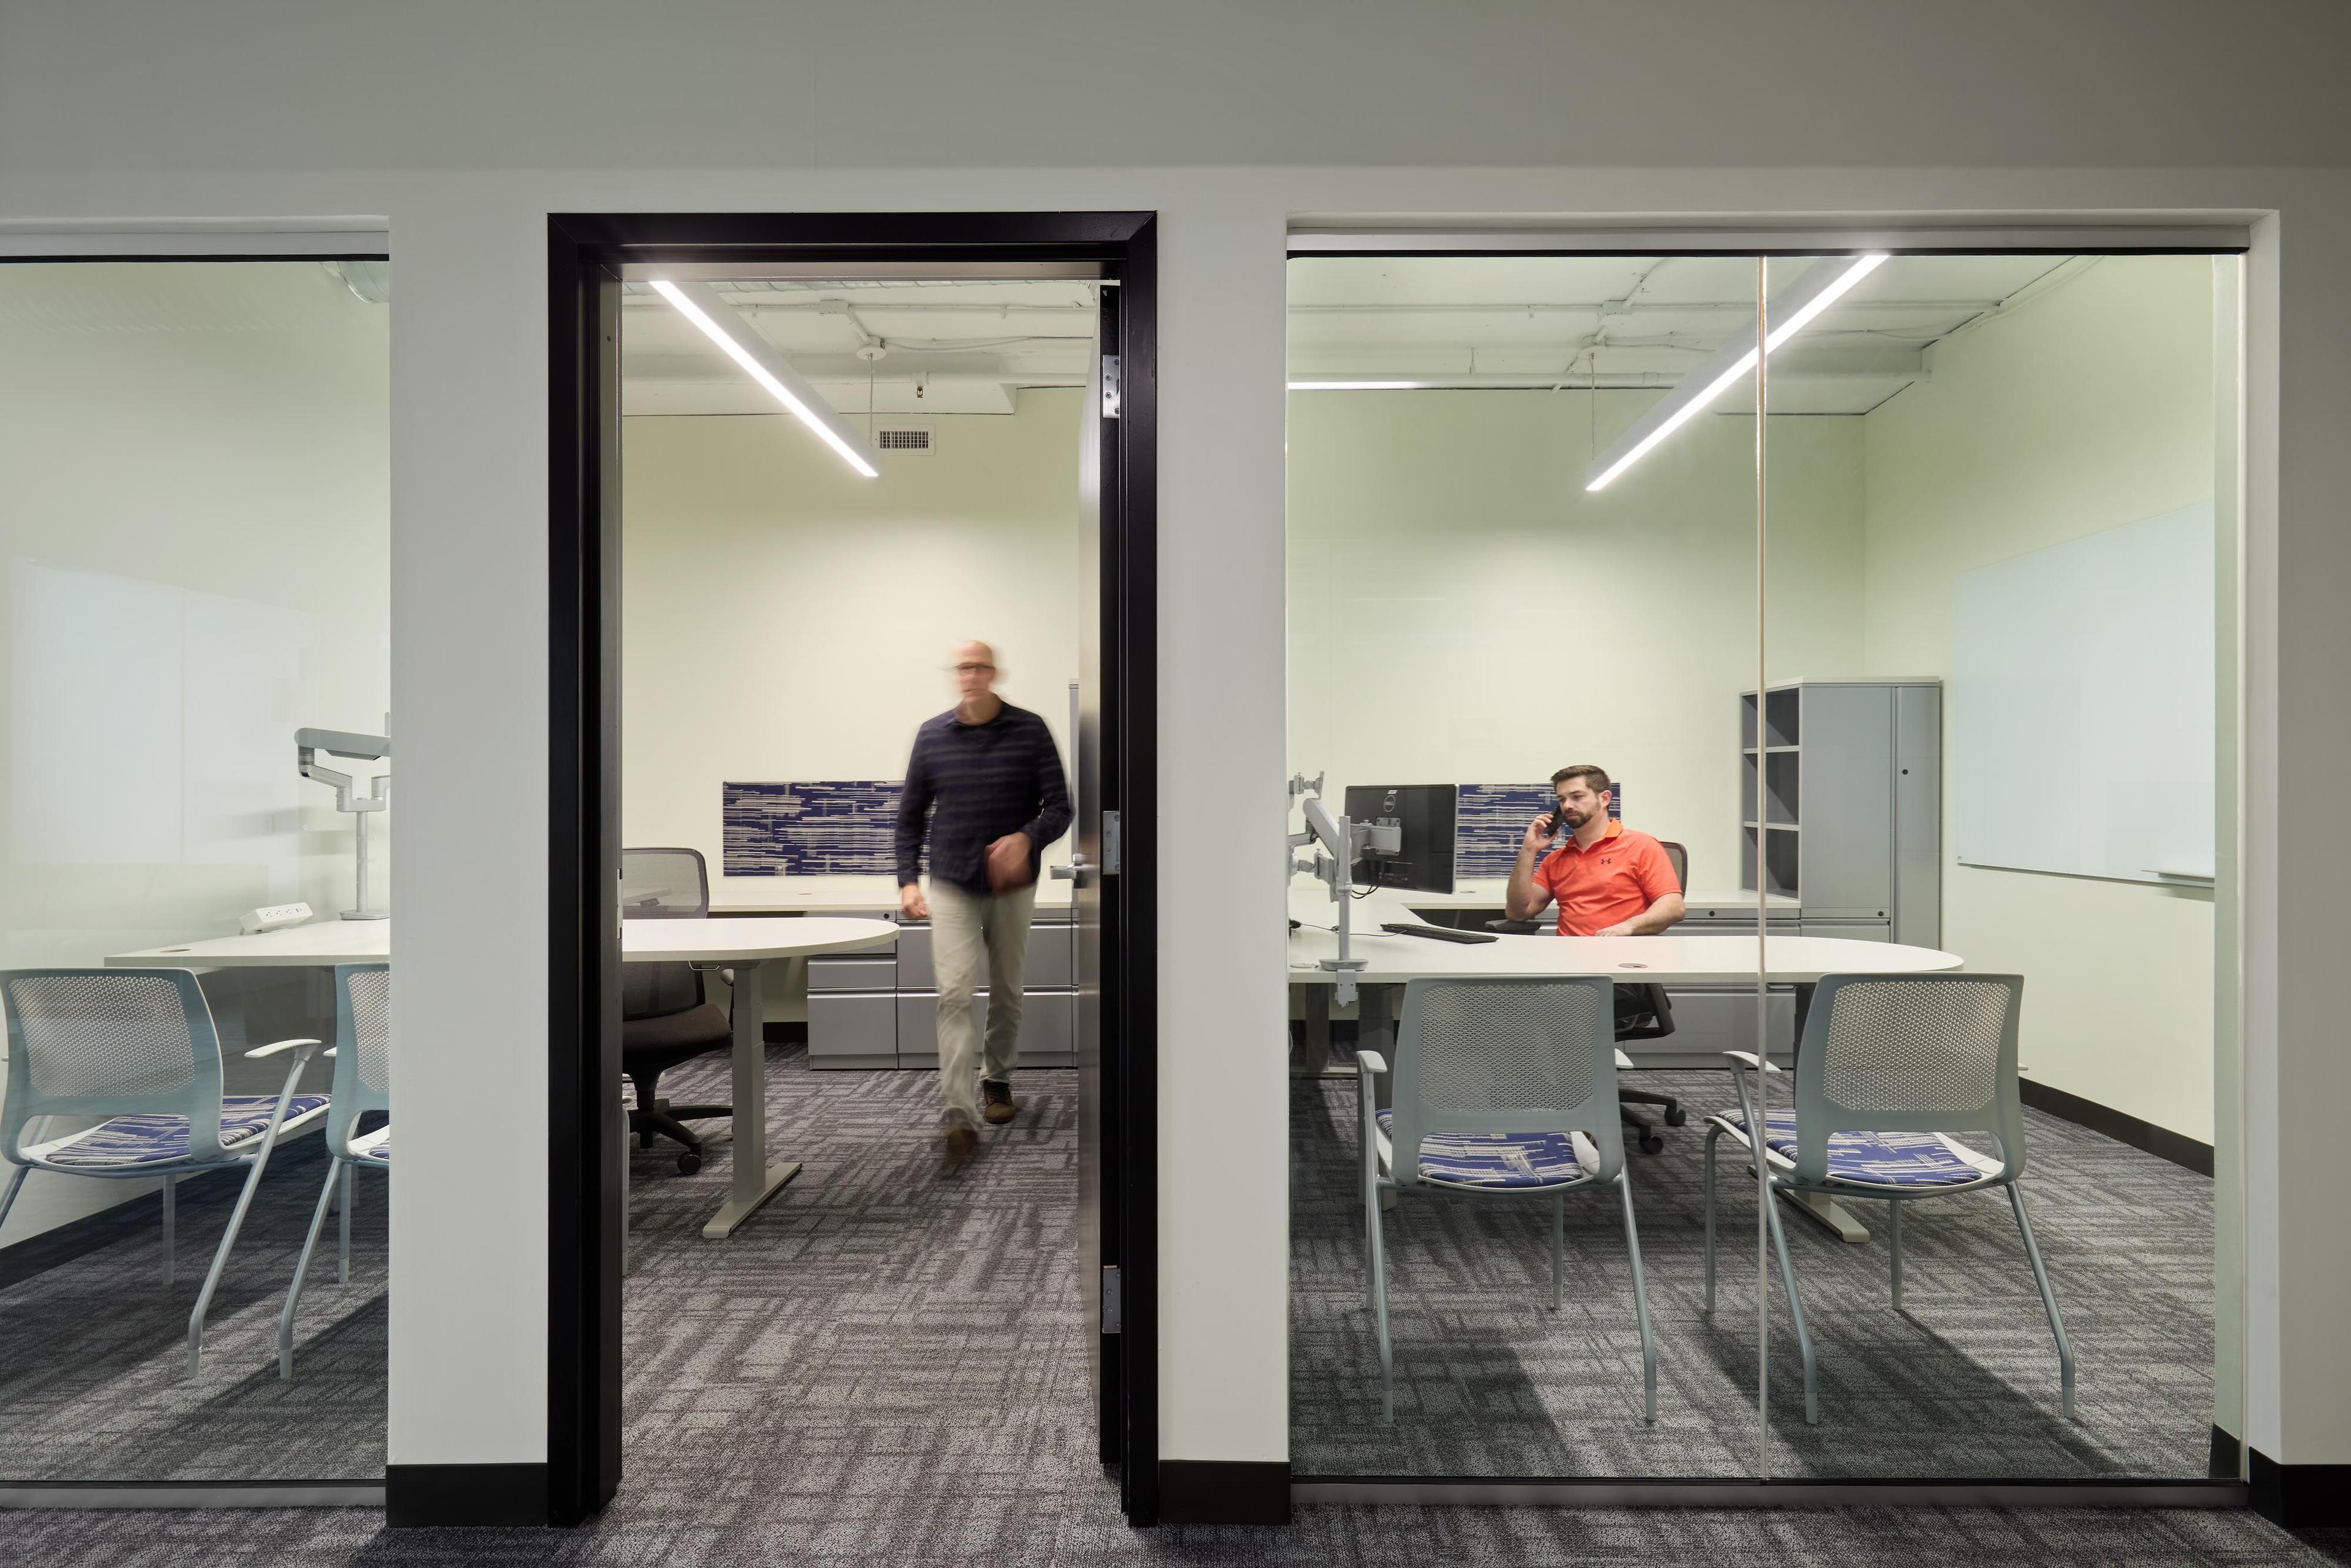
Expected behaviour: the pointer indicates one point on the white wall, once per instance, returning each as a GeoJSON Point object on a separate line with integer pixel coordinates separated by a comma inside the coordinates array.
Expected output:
{"type": "Point", "coordinates": [194, 507]}
{"type": "Point", "coordinates": [557, 110]}
{"type": "Point", "coordinates": [2088, 408]}
{"type": "Point", "coordinates": [830, 602]}
{"type": "Point", "coordinates": [1463, 610]}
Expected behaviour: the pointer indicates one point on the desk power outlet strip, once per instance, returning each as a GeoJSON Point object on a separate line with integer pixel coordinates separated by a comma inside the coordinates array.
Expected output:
{"type": "Point", "coordinates": [273, 917]}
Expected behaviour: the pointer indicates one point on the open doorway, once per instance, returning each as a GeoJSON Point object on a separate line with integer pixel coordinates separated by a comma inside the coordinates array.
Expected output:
{"type": "Point", "coordinates": [814, 459]}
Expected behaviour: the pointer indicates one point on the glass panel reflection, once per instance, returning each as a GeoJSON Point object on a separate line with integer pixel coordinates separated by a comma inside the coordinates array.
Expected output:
{"type": "Point", "coordinates": [1992, 610]}
{"type": "Point", "coordinates": [194, 495]}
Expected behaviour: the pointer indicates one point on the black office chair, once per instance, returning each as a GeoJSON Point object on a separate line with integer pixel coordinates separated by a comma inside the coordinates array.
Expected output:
{"type": "Point", "coordinates": [1643, 1012]}
{"type": "Point", "coordinates": [665, 1019]}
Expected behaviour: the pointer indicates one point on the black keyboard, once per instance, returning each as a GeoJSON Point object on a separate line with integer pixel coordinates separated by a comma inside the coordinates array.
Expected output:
{"type": "Point", "coordinates": [1438, 932]}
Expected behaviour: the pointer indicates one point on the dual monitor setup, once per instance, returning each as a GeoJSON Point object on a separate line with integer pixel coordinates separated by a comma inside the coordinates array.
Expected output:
{"type": "Point", "coordinates": [1399, 836]}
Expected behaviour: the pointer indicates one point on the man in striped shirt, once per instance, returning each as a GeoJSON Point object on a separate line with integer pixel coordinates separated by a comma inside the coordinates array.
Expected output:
{"type": "Point", "coordinates": [985, 777]}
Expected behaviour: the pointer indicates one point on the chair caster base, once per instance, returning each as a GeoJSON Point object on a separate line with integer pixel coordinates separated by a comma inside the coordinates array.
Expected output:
{"type": "Point", "coordinates": [1676, 1117]}
{"type": "Point", "coordinates": [688, 1163]}
{"type": "Point", "coordinates": [1651, 1144]}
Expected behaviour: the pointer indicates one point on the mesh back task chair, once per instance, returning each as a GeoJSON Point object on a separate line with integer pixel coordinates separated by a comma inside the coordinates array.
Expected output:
{"type": "Point", "coordinates": [361, 1086]}
{"type": "Point", "coordinates": [136, 1049]}
{"type": "Point", "coordinates": [1642, 1012]}
{"type": "Point", "coordinates": [665, 1019]}
{"type": "Point", "coordinates": [1504, 1087]}
{"type": "Point", "coordinates": [1889, 1070]}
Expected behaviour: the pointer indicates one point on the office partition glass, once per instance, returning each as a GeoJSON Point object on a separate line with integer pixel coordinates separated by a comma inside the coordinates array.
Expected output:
{"type": "Point", "coordinates": [193, 495]}
{"type": "Point", "coordinates": [1516, 548]}
{"type": "Point", "coordinates": [1998, 547]}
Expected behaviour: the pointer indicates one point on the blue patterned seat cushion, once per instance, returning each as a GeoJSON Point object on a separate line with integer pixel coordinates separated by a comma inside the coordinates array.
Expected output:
{"type": "Point", "coordinates": [1872, 1160]}
{"type": "Point", "coordinates": [147, 1140]}
{"type": "Point", "coordinates": [1496, 1159]}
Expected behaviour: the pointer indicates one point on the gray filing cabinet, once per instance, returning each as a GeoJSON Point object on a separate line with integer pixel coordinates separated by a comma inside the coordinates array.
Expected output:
{"type": "Point", "coordinates": [1841, 782]}
{"type": "Point", "coordinates": [879, 1007]}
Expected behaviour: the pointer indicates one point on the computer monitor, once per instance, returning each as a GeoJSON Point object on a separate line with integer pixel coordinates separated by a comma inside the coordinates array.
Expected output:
{"type": "Point", "coordinates": [1423, 814]}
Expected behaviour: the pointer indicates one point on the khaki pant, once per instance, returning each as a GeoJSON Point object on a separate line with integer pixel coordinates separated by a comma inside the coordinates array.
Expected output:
{"type": "Point", "coordinates": [963, 926]}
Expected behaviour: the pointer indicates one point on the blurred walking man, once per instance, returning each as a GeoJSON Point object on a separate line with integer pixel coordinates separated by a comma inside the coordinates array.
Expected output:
{"type": "Point", "coordinates": [986, 777]}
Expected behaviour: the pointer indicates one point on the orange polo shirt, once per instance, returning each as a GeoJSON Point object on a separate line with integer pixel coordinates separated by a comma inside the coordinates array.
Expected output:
{"type": "Point", "coordinates": [1617, 878]}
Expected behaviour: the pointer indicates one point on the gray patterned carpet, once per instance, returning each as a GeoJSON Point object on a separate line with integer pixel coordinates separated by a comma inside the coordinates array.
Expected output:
{"type": "Point", "coordinates": [886, 1369]}
{"type": "Point", "coordinates": [1490, 1381]}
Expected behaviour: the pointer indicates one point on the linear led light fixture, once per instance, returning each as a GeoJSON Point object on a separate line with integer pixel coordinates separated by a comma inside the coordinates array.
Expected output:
{"type": "Point", "coordinates": [1820, 287]}
{"type": "Point", "coordinates": [748, 347]}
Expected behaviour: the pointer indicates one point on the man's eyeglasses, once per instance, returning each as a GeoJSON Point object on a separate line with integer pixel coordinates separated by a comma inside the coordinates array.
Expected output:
{"type": "Point", "coordinates": [970, 669]}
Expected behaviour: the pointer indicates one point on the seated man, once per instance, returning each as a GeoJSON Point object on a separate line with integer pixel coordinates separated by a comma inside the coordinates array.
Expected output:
{"type": "Point", "coordinates": [1608, 880]}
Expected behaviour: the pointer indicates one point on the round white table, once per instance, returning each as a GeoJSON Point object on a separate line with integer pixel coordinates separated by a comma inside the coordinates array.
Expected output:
{"type": "Point", "coordinates": [743, 944]}
{"type": "Point", "coordinates": [746, 946]}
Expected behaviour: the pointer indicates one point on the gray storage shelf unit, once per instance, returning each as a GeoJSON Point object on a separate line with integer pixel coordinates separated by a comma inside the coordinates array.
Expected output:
{"type": "Point", "coordinates": [1841, 783]}
{"type": "Point", "coordinates": [879, 1007]}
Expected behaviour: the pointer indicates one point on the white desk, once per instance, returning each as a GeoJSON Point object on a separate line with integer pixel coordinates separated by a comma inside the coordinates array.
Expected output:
{"type": "Point", "coordinates": [744, 944]}
{"type": "Point", "coordinates": [834, 893]}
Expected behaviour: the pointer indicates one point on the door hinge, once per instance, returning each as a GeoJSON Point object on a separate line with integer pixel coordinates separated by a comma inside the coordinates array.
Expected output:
{"type": "Point", "coordinates": [1110, 1310]}
{"type": "Point", "coordinates": [1109, 386]}
{"type": "Point", "coordinates": [1110, 843]}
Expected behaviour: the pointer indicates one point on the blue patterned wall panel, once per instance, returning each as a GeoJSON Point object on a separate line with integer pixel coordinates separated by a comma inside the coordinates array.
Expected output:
{"type": "Point", "coordinates": [1490, 819]}
{"type": "Point", "coordinates": [839, 826]}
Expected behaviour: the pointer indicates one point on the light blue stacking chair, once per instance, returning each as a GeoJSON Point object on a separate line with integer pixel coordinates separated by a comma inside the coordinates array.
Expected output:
{"type": "Point", "coordinates": [1504, 1089]}
{"type": "Point", "coordinates": [1889, 1070]}
{"type": "Point", "coordinates": [137, 1051]}
{"type": "Point", "coordinates": [363, 1084]}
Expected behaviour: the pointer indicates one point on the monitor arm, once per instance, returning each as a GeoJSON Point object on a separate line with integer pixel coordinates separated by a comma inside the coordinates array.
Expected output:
{"type": "Point", "coordinates": [1336, 841]}
{"type": "Point", "coordinates": [307, 743]}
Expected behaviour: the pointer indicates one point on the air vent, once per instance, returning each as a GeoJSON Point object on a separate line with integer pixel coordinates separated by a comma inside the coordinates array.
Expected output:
{"type": "Point", "coordinates": [902, 438]}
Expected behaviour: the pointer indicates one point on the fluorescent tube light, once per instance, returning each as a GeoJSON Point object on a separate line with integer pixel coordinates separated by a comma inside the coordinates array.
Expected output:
{"type": "Point", "coordinates": [764, 363]}
{"type": "Point", "coordinates": [1821, 287]}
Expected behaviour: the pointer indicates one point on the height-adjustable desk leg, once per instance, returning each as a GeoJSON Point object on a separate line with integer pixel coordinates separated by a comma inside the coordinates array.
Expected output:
{"type": "Point", "coordinates": [755, 1181]}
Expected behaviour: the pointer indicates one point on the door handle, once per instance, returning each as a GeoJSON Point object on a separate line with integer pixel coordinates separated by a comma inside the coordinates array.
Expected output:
{"type": "Point", "coordinates": [1074, 871]}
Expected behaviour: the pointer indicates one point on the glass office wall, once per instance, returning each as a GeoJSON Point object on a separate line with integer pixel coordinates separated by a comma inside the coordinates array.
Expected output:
{"type": "Point", "coordinates": [1503, 564]}
{"type": "Point", "coordinates": [1994, 619]}
{"type": "Point", "coordinates": [193, 501]}
{"type": "Point", "coordinates": [1915, 650]}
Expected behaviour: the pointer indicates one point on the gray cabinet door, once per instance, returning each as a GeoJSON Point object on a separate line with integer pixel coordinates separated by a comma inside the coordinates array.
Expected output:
{"type": "Point", "coordinates": [852, 1029]}
{"type": "Point", "coordinates": [1048, 963]}
{"type": "Point", "coordinates": [1850, 930]}
{"type": "Point", "coordinates": [1919, 815]}
{"type": "Point", "coordinates": [854, 973]}
{"type": "Point", "coordinates": [1707, 1022]}
{"type": "Point", "coordinates": [1846, 814]}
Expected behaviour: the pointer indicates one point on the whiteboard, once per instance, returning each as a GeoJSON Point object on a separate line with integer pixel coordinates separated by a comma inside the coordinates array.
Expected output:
{"type": "Point", "coordinates": [2082, 728]}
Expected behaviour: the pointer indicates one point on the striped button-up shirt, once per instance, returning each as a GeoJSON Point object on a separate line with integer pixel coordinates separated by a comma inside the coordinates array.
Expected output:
{"type": "Point", "coordinates": [975, 783]}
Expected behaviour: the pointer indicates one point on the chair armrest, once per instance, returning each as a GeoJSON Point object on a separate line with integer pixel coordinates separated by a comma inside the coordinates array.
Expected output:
{"type": "Point", "coordinates": [1750, 1060]}
{"type": "Point", "coordinates": [275, 1047]}
{"type": "Point", "coordinates": [1516, 927]}
{"type": "Point", "coordinates": [1370, 1061]}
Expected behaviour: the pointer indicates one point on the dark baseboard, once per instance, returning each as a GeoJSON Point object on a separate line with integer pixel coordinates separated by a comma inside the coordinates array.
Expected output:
{"type": "Point", "coordinates": [1222, 1491]}
{"type": "Point", "coordinates": [416, 1496]}
{"type": "Point", "coordinates": [2228, 1460]}
{"type": "Point", "coordinates": [2300, 1496]}
{"type": "Point", "coordinates": [784, 1033]}
{"type": "Point", "coordinates": [2162, 1142]}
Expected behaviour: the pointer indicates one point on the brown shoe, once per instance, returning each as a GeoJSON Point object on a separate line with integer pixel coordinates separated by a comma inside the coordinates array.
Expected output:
{"type": "Point", "coordinates": [959, 1144]}
{"type": "Point", "coordinates": [1000, 1108]}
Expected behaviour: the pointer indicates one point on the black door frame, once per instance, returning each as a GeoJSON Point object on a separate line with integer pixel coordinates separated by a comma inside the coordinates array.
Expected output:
{"type": "Point", "coordinates": [585, 251]}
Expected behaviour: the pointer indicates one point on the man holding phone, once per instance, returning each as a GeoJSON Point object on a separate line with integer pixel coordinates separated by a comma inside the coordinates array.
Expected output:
{"type": "Point", "coordinates": [986, 780]}
{"type": "Point", "coordinates": [1608, 880]}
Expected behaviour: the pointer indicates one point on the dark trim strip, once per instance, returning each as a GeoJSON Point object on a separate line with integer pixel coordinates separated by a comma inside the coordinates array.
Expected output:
{"type": "Point", "coordinates": [136, 1218]}
{"type": "Point", "coordinates": [584, 252]}
{"type": "Point", "coordinates": [1224, 1491]}
{"type": "Point", "coordinates": [424, 1496]}
{"type": "Point", "coordinates": [191, 1494]}
{"type": "Point", "coordinates": [1594, 1492]}
{"type": "Point", "coordinates": [2162, 1142]}
{"type": "Point", "coordinates": [2300, 1496]}
{"type": "Point", "coordinates": [2228, 1460]}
